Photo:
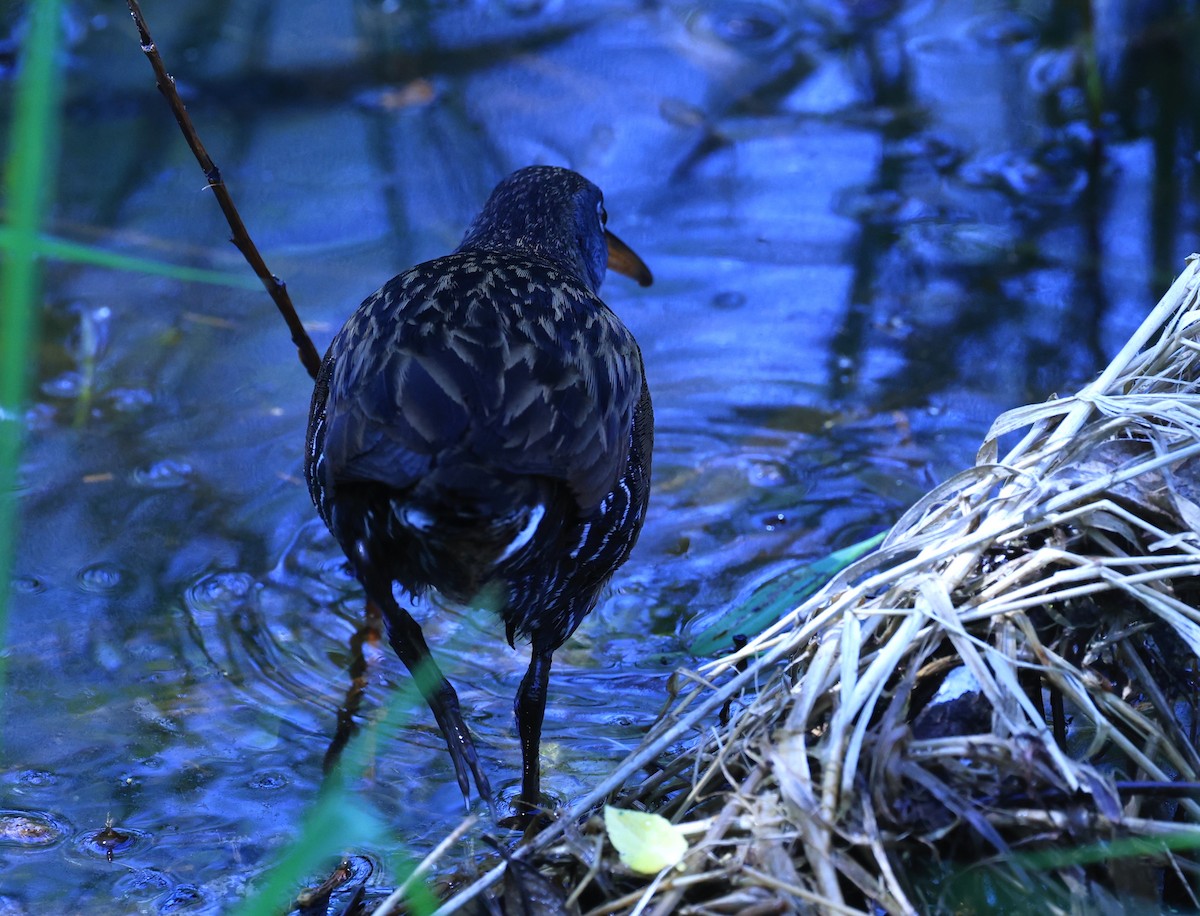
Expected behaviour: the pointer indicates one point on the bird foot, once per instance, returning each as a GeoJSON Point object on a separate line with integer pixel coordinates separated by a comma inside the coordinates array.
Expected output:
{"type": "Point", "coordinates": [529, 818]}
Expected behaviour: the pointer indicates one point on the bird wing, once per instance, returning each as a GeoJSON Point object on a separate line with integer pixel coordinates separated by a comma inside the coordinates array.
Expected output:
{"type": "Point", "coordinates": [487, 361]}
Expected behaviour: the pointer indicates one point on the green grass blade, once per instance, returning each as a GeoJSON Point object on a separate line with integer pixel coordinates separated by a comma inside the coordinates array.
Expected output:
{"type": "Point", "coordinates": [1131, 847]}
{"type": "Point", "coordinates": [28, 176]}
{"type": "Point", "coordinates": [62, 250]}
{"type": "Point", "coordinates": [339, 820]}
{"type": "Point", "coordinates": [773, 599]}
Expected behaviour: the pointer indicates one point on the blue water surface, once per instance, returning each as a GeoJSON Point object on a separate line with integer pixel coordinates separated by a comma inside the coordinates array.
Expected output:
{"type": "Point", "coordinates": [873, 225]}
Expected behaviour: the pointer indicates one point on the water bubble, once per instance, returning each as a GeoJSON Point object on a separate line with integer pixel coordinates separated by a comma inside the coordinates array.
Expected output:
{"type": "Point", "coordinates": [775, 521]}
{"type": "Point", "coordinates": [30, 829]}
{"type": "Point", "coordinates": [28, 585]}
{"type": "Point", "coordinates": [748, 25]}
{"type": "Point", "coordinates": [36, 778]}
{"type": "Point", "coordinates": [111, 841]}
{"type": "Point", "coordinates": [768, 473]}
{"type": "Point", "coordinates": [103, 578]}
{"type": "Point", "coordinates": [163, 475]}
{"type": "Point", "coordinates": [129, 782]}
{"type": "Point", "coordinates": [269, 780]}
{"type": "Point", "coordinates": [218, 590]}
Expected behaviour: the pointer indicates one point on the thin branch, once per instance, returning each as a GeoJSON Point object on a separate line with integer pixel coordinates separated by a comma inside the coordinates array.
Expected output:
{"type": "Point", "coordinates": [276, 288]}
{"type": "Point", "coordinates": [427, 863]}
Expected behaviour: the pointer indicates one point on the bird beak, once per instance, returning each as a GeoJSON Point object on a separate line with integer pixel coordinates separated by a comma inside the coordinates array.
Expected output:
{"type": "Point", "coordinates": [623, 260]}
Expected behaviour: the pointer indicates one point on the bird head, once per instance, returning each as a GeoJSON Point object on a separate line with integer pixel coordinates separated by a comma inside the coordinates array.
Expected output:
{"type": "Point", "coordinates": [558, 215]}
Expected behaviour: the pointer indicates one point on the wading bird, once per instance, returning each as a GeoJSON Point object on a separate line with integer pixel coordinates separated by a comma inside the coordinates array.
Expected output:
{"type": "Point", "coordinates": [482, 426]}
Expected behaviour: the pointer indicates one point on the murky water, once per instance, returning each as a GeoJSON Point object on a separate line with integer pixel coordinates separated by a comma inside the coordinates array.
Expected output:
{"type": "Point", "coordinates": [874, 226]}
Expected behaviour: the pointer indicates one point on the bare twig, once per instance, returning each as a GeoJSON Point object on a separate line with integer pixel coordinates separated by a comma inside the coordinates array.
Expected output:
{"type": "Point", "coordinates": [276, 288]}
{"type": "Point", "coordinates": [427, 863]}
{"type": "Point", "coordinates": [367, 631]}
{"type": "Point", "coordinates": [670, 900]}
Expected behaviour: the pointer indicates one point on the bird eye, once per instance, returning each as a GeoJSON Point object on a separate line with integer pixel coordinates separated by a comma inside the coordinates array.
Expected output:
{"type": "Point", "coordinates": [602, 213]}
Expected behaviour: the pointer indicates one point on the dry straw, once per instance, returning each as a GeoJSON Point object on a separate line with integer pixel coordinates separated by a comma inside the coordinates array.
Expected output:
{"type": "Point", "coordinates": [1057, 587]}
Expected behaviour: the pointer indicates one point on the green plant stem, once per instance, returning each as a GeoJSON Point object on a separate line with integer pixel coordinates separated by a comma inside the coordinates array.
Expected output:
{"type": "Point", "coordinates": [27, 180]}
{"type": "Point", "coordinates": [50, 247]}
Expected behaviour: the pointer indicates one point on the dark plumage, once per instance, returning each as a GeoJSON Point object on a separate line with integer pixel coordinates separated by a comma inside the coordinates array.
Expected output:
{"type": "Point", "coordinates": [482, 426]}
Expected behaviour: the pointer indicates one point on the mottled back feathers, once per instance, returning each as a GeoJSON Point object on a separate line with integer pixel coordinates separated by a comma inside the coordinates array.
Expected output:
{"type": "Point", "coordinates": [482, 423]}
{"type": "Point", "coordinates": [437, 369]}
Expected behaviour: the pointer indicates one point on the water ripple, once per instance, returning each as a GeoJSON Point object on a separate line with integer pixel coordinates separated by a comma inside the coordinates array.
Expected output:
{"type": "Point", "coordinates": [163, 475]}
{"type": "Point", "coordinates": [217, 590]}
{"type": "Point", "coordinates": [105, 579]}
{"type": "Point", "coordinates": [752, 26]}
{"type": "Point", "coordinates": [30, 829]}
{"type": "Point", "coordinates": [29, 585]}
{"type": "Point", "coordinates": [110, 842]}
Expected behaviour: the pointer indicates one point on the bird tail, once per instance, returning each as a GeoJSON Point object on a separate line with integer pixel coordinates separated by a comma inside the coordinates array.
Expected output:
{"type": "Point", "coordinates": [464, 526]}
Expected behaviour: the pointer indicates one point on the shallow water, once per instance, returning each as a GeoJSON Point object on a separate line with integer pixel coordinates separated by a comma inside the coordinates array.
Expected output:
{"type": "Point", "coordinates": [873, 226]}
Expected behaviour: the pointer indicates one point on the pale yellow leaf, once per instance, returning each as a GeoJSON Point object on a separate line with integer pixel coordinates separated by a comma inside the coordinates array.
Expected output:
{"type": "Point", "coordinates": [647, 843]}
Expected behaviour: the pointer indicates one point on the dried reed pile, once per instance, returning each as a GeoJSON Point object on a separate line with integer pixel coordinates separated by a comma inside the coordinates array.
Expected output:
{"type": "Point", "coordinates": [1001, 701]}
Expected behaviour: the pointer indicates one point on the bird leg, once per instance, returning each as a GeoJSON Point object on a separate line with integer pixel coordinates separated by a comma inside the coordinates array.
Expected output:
{"type": "Point", "coordinates": [530, 708]}
{"type": "Point", "coordinates": [408, 641]}
{"type": "Point", "coordinates": [406, 638]}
